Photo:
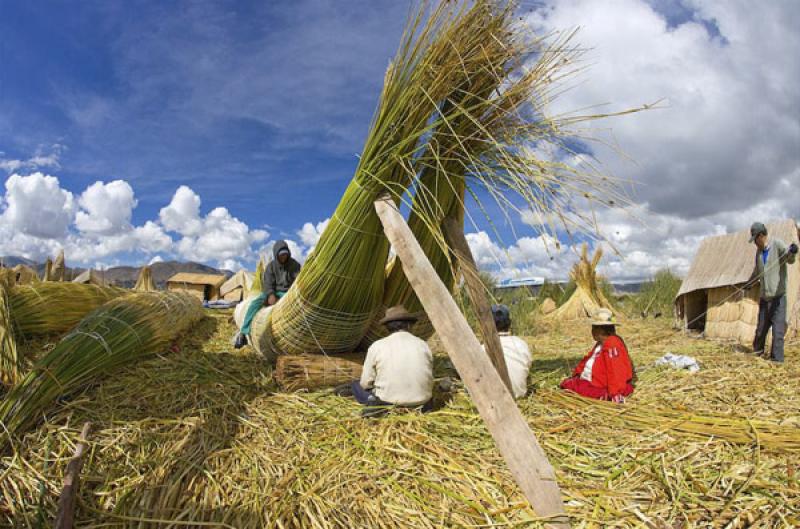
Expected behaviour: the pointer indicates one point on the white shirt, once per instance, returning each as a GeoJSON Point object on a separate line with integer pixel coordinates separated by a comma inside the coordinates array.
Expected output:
{"type": "Point", "coordinates": [587, 369]}
{"type": "Point", "coordinates": [400, 369]}
{"type": "Point", "coordinates": [518, 362]}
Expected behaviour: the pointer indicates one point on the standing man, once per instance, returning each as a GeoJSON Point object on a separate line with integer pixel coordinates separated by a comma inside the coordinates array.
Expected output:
{"type": "Point", "coordinates": [278, 277]}
{"type": "Point", "coordinates": [772, 256]}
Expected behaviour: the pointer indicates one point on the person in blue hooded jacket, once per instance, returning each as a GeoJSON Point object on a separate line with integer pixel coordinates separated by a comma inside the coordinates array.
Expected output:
{"type": "Point", "coordinates": [279, 276]}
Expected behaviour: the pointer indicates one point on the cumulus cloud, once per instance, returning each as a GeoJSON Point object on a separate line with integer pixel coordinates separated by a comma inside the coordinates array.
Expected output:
{"type": "Point", "coordinates": [37, 206]}
{"type": "Point", "coordinates": [182, 215]}
{"type": "Point", "coordinates": [106, 208]}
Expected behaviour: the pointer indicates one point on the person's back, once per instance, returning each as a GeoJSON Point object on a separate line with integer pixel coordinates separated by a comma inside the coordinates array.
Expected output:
{"type": "Point", "coordinates": [518, 359]}
{"type": "Point", "coordinates": [400, 369]}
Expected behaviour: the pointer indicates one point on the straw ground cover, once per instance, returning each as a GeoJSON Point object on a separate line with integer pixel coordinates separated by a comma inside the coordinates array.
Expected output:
{"type": "Point", "coordinates": [200, 438]}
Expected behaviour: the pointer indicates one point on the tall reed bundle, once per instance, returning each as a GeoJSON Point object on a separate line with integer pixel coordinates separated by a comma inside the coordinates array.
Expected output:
{"type": "Point", "coordinates": [311, 372]}
{"type": "Point", "coordinates": [461, 101]}
{"type": "Point", "coordinates": [47, 275]}
{"type": "Point", "coordinates": [257, 286]}
{"type": "Point", "coordinates": [588, 297]}
{"type": "Point", "coordinates": [119, 333]}
{"type": "Point", "coordinates": [59, 270]}
{"type": "Point", "coordinates": [144, 283]}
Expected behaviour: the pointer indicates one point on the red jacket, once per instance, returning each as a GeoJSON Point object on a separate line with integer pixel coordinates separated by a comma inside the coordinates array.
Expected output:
{"type": "Point", "coordinates": [612, 369]}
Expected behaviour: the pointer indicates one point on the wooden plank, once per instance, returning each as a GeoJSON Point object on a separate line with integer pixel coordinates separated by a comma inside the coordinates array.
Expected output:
{"type": "Point", "coordinates": [66, 501]}
{"type": "Point", "coordinates": [477, 296]}
{"type": "Point", "coordinates": [516, 442]}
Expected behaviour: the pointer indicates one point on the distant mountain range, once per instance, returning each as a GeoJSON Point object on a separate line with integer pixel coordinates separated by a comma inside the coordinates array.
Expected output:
{"type": "Point", "coordinates": [125, 276]}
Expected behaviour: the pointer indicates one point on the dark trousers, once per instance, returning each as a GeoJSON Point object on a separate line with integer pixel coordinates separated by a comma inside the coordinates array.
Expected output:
{"type": "Point", "coordinates": [368, 398]}
{"type": "Point", "coordinates": [771, 314]}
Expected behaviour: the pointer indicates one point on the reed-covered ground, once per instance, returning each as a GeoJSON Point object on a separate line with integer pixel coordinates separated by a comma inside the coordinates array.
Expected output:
{"type": "Point", "coordinates": [200, 437]}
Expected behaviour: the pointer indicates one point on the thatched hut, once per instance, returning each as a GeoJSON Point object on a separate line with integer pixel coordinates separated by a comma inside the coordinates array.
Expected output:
{"type": "Point", "coordinates": [710, 298]}
{"type": "Point", "coordinates": [203, 286]}
{"type": "Point", "coordinates": [237, 287]}
{"type": "Point", "coordinates": [25, 275]}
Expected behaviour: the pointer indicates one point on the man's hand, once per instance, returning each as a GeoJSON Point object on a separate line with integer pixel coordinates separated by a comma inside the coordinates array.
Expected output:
{"type": "Point", "coordinates": [272, 299]}
{"type": "Point", "coordinates": [618, 399]}
{"type": "Point", "coordinates": [793, 249]}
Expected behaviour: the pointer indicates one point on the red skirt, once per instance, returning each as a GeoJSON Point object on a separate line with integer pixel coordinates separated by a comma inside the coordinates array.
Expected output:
{"type": "Point", "coordinates": [587, 389]}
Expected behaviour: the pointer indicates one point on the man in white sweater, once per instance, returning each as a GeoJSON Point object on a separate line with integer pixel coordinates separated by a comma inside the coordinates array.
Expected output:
{"type": "Point", "coordinates": [398, 370]}
{"type": "Point", "coordinates": [515, 351]}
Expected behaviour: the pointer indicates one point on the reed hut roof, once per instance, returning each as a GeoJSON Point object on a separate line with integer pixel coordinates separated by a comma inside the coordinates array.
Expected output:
{"type": "Point", "coordinates": [197, 279]}
{"type": "Point", "coordinates": [92, 277]}
{"type": "Point", "coordinates": [240, 279]}
{"type": "Point", "coordinates": [725, 260]}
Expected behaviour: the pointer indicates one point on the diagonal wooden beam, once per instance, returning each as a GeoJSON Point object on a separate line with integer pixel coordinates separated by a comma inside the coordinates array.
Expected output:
{"type": "Point", "coordinates": [517, 443]}
{"type": "Point", "coordinates": [454, 234]}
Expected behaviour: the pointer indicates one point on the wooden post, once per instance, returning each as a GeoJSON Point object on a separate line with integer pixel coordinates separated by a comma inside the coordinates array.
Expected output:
{"type": "Point", "coordinates": [66, 501]}
{"type": "Point", "coordinates": [477, 296]}
{"type": "Point", "coordinates": [517, 443]}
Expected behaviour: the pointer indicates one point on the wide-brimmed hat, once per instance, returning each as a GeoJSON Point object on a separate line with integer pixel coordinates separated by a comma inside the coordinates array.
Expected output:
{"type": "Point", "coordinates": [604, 317]}
{"type": "Point", "coordinates": [397, 313]}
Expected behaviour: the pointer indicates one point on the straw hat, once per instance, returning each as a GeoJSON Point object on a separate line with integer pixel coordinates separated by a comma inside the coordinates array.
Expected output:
{"type": "Point", "coordinates": [397, 313]}
{"type": "Point", "coordinates": [604, 317]}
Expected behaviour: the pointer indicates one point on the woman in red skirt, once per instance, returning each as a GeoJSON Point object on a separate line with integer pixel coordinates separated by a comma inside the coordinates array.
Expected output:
{"type": "Point", "coordinates": [606, 371]}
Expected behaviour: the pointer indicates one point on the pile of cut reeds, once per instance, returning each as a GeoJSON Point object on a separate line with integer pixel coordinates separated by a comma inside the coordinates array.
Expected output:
{"type": "Point", "coordinates": [587, 298]}
{"type": "Point", "coordinates": [200, 438]}
{"type": "Point", "coordinates": [117, 334]}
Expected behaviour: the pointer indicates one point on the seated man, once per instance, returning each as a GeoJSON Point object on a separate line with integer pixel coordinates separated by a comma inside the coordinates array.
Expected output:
{"type": "Point", "coordinates": [606, 371]}
{"type": "Point", "coordinates": [278, 277]}
{"type": "Point", "coordinates": [515, 351]}
{"type": "Point", "coordinates": [398, 370]}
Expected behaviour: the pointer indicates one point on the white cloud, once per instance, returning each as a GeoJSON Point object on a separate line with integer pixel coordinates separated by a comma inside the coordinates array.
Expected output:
{"type": "Point", "coordinates": [156, 259]}
{"type": "Point", "coordinates": [37, 206]}
{"type": "Point", "coordinates": [729, 128]}
{"type": "Point", "coordinates": [40, 159]}
{"type": "Point", "coordinates": [183, 213]}
{"type": "Point", "coordinates": [106, 208]}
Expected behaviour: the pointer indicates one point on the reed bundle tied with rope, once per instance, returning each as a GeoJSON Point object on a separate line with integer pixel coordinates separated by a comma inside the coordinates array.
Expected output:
{"type": "Point", "coordinates": [42, 309]}
{"type": "Point", "coordinates": [117, 334]}
{"type": "Point", "coordinates": [311, 372]}
{"type": "Point", "coordinates": [463, 110]}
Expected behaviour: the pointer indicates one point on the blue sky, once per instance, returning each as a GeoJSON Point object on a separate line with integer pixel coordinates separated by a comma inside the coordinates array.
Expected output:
{"type": "Point", "coordinates": [257, 106]}
{"type": "Point", "coordinates": [261, 108]}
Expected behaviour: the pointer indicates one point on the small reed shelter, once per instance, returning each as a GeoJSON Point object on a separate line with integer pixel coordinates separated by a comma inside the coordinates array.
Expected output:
{"type": "Point", "coordinates": [237, 287]}
{"type": "Point", "coordinates": [203, 286]}
{"type": "Point", "coordinates": [90, 277]}
{"type": "Point", "coordinates": [710, 299]}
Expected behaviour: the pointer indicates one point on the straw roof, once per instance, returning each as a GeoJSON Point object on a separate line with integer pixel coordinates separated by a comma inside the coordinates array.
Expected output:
{"type": "Point", "coordinates": [726, 260]}
{"type": "Point", "coordinates": [240, 279]}
{"type": "Point", "coordinates": [92, 277]}
{"type": "Point", "coordinates": [197, 279]}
